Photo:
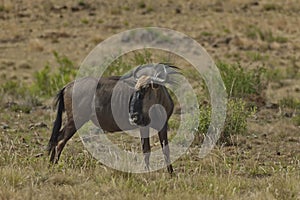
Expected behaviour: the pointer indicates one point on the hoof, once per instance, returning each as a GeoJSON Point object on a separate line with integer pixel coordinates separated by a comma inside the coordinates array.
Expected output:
{"type": "Point", "coordinates": [170, 169]}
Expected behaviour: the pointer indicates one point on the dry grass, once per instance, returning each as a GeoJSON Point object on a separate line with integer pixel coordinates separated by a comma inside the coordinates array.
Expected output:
{"type": "Point", "coordinates": [264, 163]}
{"type": "Point", "coordinates": [257, 167]}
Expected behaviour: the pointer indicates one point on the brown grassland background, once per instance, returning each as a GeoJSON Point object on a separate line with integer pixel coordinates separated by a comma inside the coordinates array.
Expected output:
{"type": "Point", "coordinates": [263, 162]}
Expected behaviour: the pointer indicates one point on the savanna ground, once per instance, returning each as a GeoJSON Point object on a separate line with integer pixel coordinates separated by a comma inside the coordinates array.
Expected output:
{"type": "Point", "coordinates": [261, 161]}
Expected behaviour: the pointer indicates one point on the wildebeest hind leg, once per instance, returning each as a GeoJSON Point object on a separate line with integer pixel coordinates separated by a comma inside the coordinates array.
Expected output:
{"type": "Point", "coordinates": [66, 133]}
{"type": "Point", "coordinates": [53, 148]}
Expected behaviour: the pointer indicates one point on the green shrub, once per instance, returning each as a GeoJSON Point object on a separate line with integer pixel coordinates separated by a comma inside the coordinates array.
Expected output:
{"type": "Point", "coordinates": [10, 87]}
{"type": "Point", "coordinates": [18, 91]}
{"type": "Point", "coordinates": [241, 83]}
{"type": "Point", "coordinates": [236, 120]}
{"type": "Point", "coordinates": [204, 119]}
{"type": "Point", "coordinates": [47, 83]}
{"type": "Point", "coordinates": [117, 67]}
{"type": "Point", "coordinates": [235, 123]}
{"type": "Point", "coordinates": [142, 57]}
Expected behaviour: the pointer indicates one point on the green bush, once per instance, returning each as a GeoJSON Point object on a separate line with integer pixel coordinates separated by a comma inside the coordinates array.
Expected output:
{"type": "Point", "coordinates": [117, 67]}
{"type": "Point", "coordinates": [241, 83]}
{"type": "Point", "coordinates": [48, 82]}
{"type": "Point", "coordinates": [12, 91]}
{"type": "Point", "coordinates": [235, 123]}
{"type": "Point", "coordinates": [204, 119]}
{"type": "Point", "coordinates": [14, 88]}
{"type": "Point", "coordinates": [236, 120]}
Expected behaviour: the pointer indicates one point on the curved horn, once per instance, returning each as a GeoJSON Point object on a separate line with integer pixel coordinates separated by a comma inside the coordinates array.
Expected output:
{"type": "Point", "coordinates": [135, 71]}
{"type": "Point", "coordinates": [160, 74]}
{"type": "Point", "coordinates": [164, 79]}
{"type": "Point", "coordinates": [165, 74]}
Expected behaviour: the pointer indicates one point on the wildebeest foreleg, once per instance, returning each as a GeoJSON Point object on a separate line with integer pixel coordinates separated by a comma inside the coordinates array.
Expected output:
{"type": "Point", "coordinates": [163, 138]}
{"type": "Point", "coordinates": [146, 145]}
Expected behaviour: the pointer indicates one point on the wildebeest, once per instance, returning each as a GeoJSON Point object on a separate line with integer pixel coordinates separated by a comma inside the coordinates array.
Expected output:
{"type": "Point", "coordinates": [131, 96]}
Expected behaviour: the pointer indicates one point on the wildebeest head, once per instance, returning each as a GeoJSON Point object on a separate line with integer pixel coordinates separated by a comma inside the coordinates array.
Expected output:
{"type": "Point", "coordinates": [150, 80]}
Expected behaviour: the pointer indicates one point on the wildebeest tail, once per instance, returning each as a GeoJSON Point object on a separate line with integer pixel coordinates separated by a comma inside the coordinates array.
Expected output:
{"type": "Point", "coordinates": [59, 103]}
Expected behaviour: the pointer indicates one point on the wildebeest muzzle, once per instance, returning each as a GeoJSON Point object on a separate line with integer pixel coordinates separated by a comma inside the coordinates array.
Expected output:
{"type": "Point", "coordinates": [136, 116]}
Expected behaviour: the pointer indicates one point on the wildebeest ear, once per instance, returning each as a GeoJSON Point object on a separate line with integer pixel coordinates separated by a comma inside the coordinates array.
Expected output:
{"type": "Point", "coordinates": [129, 83]}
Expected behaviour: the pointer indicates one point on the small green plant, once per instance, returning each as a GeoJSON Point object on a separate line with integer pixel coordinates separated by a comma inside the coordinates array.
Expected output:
{"type": "Point", "coordinates": [294, 70]}
{"type": "Point", "coordinates": [84, 21]}
{"type": "Point", "coordinates": [206, 34]}
{"type": "Point", "coordinates": [236, 120]}
{"type": "Point", "coordinates": [205, 118]}
{"type": "Point", "coordinates": [289, 72]}
{"type": "Point", "coordinates": [296, 119]}
{"type": "Point", "coordinates": [81, 3]}
{"type": "Point", "coordinates": [116, 11]}
{"type": "Point", "coordinates": [280, 39]}
{"type": "Point", "coordinates": [149, 9]}
{"type": "Point", "coordinates": [47, 82]}
{"type": "Point", "coordinates": [11, 88]}
{"type": "Point", "coordinates": [269, 37]}
{"type": "Point", "coordinates": [274, 74]}
{"type": "Point", "coordinates": [235, 123]}
{"type": "Point", "coordinates": [290, 102]}
{"type": "Point", "coordinates": [117, 67]}
{"type": "Point", "coordinates": [142, 4]}
{"type": "Point", "coordinates": [256, 56]}
{"type": "Point", "coordinates": [254, 32]}
{"type": "Point", "coordinates": [126, 8]}
{"type": "Point", "coordinates": [173, 123]}
{"type": "Point", "coordinates": [142, 57]}
{"type": "Point", "coordinates": [126, 23]}
{"type": "Point", "coordinates": [100, 21]}
{"type": "Point", "coordinates": [270, 7]}
{"type": "Point", "coordinates": [239, 82]}
{"type": "Point", "coordinates": [18, 91]}
{"type": "Point", "coordinates": [21, 108]}
{"type": "Point", "coordinates": [122, 65]}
